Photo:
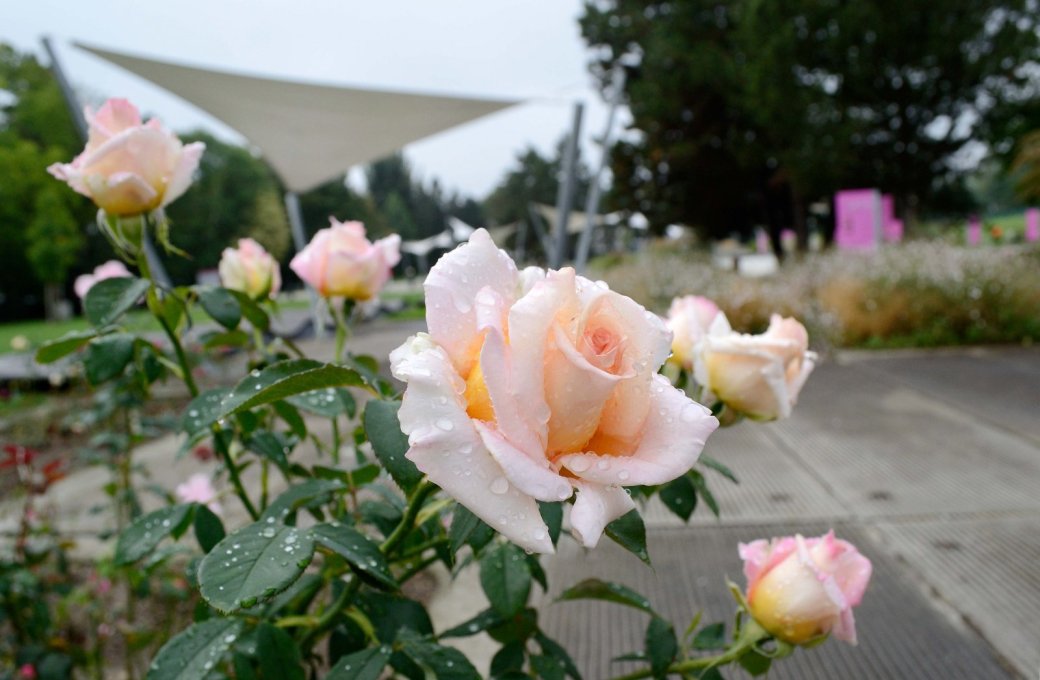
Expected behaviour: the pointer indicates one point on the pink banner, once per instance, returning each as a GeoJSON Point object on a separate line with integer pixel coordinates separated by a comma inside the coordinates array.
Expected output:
{"type": "Point", "coordinates": [857, 219]}
{"type": "Point", "coordinates": [1033, 225]}
{"type": "Point", "coordinates": [974, 236]}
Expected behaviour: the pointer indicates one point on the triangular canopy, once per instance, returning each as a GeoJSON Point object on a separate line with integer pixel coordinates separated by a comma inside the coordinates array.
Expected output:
{"type": "Point", "coordinates": [309, 133]}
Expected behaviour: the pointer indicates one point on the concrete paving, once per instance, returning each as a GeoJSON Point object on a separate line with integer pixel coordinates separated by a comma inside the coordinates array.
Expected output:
{"type": "Point", "coordinates": [928, 461]}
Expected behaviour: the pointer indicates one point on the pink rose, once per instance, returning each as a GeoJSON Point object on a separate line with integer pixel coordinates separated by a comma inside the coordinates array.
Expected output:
{"type": "Point", "coordinates": [127, 167]}
{"type": "Point", "coordinates": [689, 318]}
{"type": "Point", "coordinates": [109, 270]}
{"type": "Point", "coordinates": [341, 262]}
{"type": "Point", "coordinates": [250, 269]}
{"type": "Point", "coordinates": [532, 385]}
{"type": "Point", "coordinates": [757, 375]}
{"type": "Point", "coordinates": [801, 588]}
{"type": "Point", "coordinates": [199, 489]}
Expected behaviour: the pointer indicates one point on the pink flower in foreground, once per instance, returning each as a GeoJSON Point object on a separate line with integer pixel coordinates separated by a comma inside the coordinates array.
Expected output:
{"type": "Point", "coordinates": [109, 270]}
{"type": "Point", "coordinates": [199, 489]}
{"type": "Point", "coordinates": [129, 167]}
{"type": "Point", "coordinates": [757, 375]}
{"type": "Point", "coordinates": [250, 269]}
{"type": "Point", "coordinates": [340, 262]}
{"type": "Point", "coordinates": [689, 319]}
{"type": "Point", "coordinates": [800, 588]}
{"type": "Point", "coordinates": [532, 385]}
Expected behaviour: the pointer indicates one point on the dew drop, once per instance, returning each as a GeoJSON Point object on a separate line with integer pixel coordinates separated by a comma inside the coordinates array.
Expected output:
{"type": "Point", "coordinates": [499, 485]}
{"type": "Point", "coordinates": [580, 464]}
{"type": "Point", "coordinates": [445, 425]}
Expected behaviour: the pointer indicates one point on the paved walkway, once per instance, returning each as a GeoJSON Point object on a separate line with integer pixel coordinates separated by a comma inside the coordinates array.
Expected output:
{"type": "Point", "coordinates": [929, 462]}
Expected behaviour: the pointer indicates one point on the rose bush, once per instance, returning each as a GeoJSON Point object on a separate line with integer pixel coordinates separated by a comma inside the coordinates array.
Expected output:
{"type": "Point", "coordinates": [758, 376]}
{"type": "Point", "coordinates": [340, 262]}
{"type": "Point", "coordinates": [129, 167]}
{"type": "Point", "coordinates": [250, 269]}
{"type": "Point", "coordinates": [799, 589]}
{"type": "Point", "coordinates": [532, 386]}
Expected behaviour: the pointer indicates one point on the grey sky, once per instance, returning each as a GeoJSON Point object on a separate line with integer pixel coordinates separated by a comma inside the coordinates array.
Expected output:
{"type": "Point", "coordinates": [511, 48]}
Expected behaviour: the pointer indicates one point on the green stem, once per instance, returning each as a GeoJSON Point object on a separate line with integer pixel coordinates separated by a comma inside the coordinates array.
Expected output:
{"type": "Point", "coordinates": [420, 549]}
{"type": "Point", "coordinates": [236, 481]}
{"type": "Point", "coordinates": [415, 569]}
{"type": "Point", "coordinates": [750, 635]}
{"type": "Point", "coordinates": [405, 526]}
{"type": "Point", "coordinates": [328, 617]}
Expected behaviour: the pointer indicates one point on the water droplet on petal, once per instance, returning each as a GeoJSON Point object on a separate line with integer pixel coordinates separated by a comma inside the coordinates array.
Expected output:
{"type": "Point", "coordinates": [499, 485]}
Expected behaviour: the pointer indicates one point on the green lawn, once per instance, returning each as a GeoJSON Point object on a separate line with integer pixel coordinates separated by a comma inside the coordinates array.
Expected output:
{"type": "Point", "coordinates": [37, 332]}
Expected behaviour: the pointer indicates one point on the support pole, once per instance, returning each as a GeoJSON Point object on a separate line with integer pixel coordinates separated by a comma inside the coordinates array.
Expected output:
{"type": "Point", "coordinates": [292, 209]}
{"type": "Point", "coordinates": [595, 189]}
{"type": "Point", "coordinates": [155, 265]}
{"type": "Point", "coordinates": [565, 197]}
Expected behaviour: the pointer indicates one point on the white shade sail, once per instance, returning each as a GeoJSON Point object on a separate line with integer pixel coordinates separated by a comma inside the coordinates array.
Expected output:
{"type": "Point", "coordinates": [308, 133]}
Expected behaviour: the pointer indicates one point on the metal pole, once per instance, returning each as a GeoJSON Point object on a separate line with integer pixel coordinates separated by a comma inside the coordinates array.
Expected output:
{"type": "Point", "coordinates": [565, 197]}
{"type": "Point", "coordinates": [595, 189]}
{"type": "Point", "coordinates": [155, 265]}
{"type": "Point", "coordinates": [539, 230]}
{"type": "Point", "coordinates": [299, 237]}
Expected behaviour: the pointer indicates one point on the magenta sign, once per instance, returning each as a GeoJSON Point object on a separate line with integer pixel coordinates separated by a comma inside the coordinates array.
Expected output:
{"type": "Point", "coordinates": [857, 219]}
{"type": "Point", "coordinates": [1033, 225]}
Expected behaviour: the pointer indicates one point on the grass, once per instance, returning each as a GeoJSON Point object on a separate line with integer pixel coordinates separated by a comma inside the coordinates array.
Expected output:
{"type": "Point", "coordinates": [36, 332]}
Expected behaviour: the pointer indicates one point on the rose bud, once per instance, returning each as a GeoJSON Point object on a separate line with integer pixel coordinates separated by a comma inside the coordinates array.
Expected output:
{"type": "Point", "coordinates": [109, 270]}
{"type": "Point", "coordinates": [129, 167]}
{"type": "Point", "coordinates": [250, 269]}
{"type": "Point", "coordinates": [689, 319]}
{"type": "Point", "coordinates": [340, 262]}
{"type": "Point", "coordinates": [799, 588]}
{"type": "Point", "coordinates": [199, 489]}
{"type": "Point", "coordinates": [759, 376]}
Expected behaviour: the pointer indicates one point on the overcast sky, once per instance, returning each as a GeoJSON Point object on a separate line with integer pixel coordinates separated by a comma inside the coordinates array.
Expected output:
{"type": "Point", "coordinates": [528, 49]}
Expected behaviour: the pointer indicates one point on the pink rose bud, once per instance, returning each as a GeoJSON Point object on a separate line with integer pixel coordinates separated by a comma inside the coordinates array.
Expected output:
{"type": "Point", "coordinates": [759, 376]}
{"type": "Point", "coordinates": [531, 386]}
{"type": "Point", "coordinates": [109, 270]}
{"type": "Point", "coordinates": [799, 588]}
{"type": "Point", "coordinates": [250, 269]}
{"type": "Point", "coordinates": [129, 167]}
{"type": "Point", "coordinates": [340, 262]}
{"type": "Point", "coordinates": [199, 489]}
{"type": "Point", "coordinates": [689, 319]}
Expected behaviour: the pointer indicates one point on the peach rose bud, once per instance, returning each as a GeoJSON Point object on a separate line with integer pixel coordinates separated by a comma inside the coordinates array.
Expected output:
{"type": "Point", "coordinates": [689, 319]}
{"type": "Point", "coordinates": [129, 167]}
{"type": "Point", "coordinates": [801, 588]}
{"type": "Point", "coordinates": [759, 376]}
{"type": "Point", "coordinates": [340, 262]}
{"type": "Point", "coordinates": [109, 270]}
{"type": "Point", "coordinates": [250, 269]}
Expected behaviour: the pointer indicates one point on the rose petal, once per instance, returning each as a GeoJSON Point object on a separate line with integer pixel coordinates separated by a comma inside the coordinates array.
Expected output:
{"type": "Point", "coordinates": [496, 364]}
{"type": "Point", "coordinates": [183, 172]}
{"type": "Point", "coordinates": [537, 481]}
{"type": "Point", "coordinates": [674, 435]}
{"type": "Point", "coordinates": [451, 287]}
{"type": "Point", "coordinates": [446, 446]}
{"type": "Point", "coordinates": [122, 193]}
{"type": "Point", "coordinates": [595, 507]}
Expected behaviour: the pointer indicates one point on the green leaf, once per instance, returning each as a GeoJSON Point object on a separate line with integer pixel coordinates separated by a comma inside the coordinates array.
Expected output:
{"type": "Point", "coordinates": [547, 668]}
{"type": "Point", "coordinates": [107, 356]}
{"type": "Point", "coordinates": [509, 658]}
{"type": "Point", "coordinates": [252, 311]}
{"type": "Point", "coordinates": [506, 578]}
{"type": "Point", "coordinates": [754, 663]}
{"type": "Point", "coordinates": [629, 532]}
{"type": "Point", "coordinates": [355, 479]}
{"type": "Point", "coordinates": [220, 304]}
{"type": "Point", "coordinates": [272, 446]}
{"type": "Point", "coordinates": [552, 515]}
{"type": "Point", "coordinates": [330, 402]}
{"type": "Point", "coordinates": [708, 461]}
{"type": "Point", "coordinates": [595, 589]}
{"type": "Point", "coordinates": [445, 663]}
{"type": "Point", "coordinates": [63, 346]}
{"type": "Point", "coordinates": [389, 443]}
{"type": "Point", "coordinates": [216, 339]}
{"type": "Point", "coordinates": [196, 652]}
{"type": "Point", "coordinates": [253, 564]}
{"type": "Point", "coordinates": [209, 530]}
{"type": "Point", "coordinates": [555, 650]}
{"type": "Point", "coordinates": [202, 410]}
{"type": "Point", "coordinates": [701, 485]}
{"type": "Point", "coordinates": [710, 637]}
{"type": "Point", "coordinates": [680, 497]}
{"type": "Point", "coordinates": [292, 418]}
{"type": "Point", "coordinates": [277, 654]}
{"type": "Point", "coordinates": [109, 299]}
{"type": "Point", "coordinates": [368, 664]}
{"type": "Point", "coordinates": [310, 492]}
{"type": "Point", "coordinates": [391, 613]}
{"type": "Point", "coordinates": [357, 549]}
{"type": "Point", "coordinates": [145, 533]}
{"type": "Point", "coordinates": [479, 623]}
{"type": "Point", "coordinates": [463, 524]}
{"type": "Point", "coordinates": [661, 646]}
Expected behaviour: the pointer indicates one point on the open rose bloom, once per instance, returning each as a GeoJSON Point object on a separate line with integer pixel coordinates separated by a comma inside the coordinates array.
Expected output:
{"type": "Point", "coordinates": [199, 489]}
{"type": "Point", "coordinates": [340, 262]}
{"type": "Point", "coordinates": [129, 167]}
{"type": "Point", "coordinates": [250, 269]}
{"type": "Point", "coordinates": [759, 376]}
{"type": "Point", "coordinates": [801, 588]}
{"type": "Point", "coordinates": [109, 270]}
{"type": "Point", "coordinates": [689, 319]}
{"type": "Point", "coordinates": [531, 386]}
